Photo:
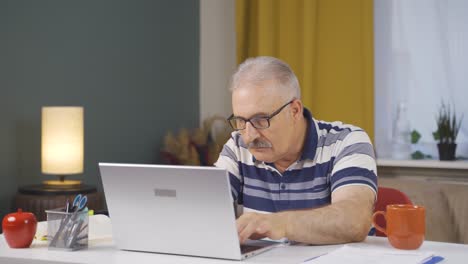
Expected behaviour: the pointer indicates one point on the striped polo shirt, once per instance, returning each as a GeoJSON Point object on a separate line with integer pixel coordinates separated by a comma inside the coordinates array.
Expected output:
{"type": "Point", "coordinates": [334, 155]}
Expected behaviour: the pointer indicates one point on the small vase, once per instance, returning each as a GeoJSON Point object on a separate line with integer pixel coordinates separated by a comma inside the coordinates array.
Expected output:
{"type": "Point", "coordinates": [447, 151]}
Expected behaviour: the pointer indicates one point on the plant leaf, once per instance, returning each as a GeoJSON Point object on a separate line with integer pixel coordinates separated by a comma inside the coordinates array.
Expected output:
{"type": "Point", "coordinates": [417, 155]}
{"type": "Point", "coordinates": [415, 136]}
{"type": "Point", "coordinates": [448, 124]}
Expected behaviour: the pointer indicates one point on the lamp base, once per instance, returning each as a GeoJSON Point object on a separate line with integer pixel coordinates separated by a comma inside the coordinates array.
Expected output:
{"type": "Point", "coordinates": [41, 189]}
{"type": "Point", "coordinates": [65, 184]}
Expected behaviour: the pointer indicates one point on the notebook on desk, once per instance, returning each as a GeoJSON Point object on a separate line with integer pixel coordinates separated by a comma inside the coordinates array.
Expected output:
{"type": "Point", "coordinates": [182, 210]}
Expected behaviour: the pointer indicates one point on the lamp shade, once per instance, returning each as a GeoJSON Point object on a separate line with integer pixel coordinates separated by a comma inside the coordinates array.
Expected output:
{"type": "Point", "coordinates": [62, 140]}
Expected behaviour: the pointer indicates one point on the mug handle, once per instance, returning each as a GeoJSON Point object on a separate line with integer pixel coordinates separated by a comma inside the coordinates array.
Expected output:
{"type": "Point", "coordinates": [381, 229]}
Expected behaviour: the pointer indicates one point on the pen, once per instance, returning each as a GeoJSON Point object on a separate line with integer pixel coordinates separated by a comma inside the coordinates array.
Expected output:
{"type": "Point", "coordinates": [73, 234]}
{"type": "Point", "coordinates": [64, 228]}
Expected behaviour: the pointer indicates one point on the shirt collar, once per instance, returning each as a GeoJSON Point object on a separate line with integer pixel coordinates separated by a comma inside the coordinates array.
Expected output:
{"type": "Point", "coordinates": [311, 139]}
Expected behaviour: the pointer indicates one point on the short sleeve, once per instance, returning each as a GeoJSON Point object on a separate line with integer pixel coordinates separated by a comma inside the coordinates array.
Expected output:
{"type": "Point", "coordinates": [355, 162]}
{"type": "Point", "coordinates": [228, 159]}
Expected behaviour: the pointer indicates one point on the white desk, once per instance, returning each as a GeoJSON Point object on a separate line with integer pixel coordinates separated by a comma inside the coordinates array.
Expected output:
{"type": "Point", "coordinates": [104, 251]}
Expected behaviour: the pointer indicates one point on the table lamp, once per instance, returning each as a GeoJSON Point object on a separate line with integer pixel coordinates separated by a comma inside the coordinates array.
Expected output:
{"type": "Point", "coordinates": [62, 144]}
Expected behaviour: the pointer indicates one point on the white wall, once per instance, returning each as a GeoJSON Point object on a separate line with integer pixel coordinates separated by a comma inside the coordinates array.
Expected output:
{"type": "Point", "coordinates": [217, 56]}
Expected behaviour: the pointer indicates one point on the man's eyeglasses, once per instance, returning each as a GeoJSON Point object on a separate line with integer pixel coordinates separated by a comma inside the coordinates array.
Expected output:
{"type": "Point", "coordinates": [259, 122]}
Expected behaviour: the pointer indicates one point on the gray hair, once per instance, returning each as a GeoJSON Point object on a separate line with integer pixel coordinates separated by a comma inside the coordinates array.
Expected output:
{"type": "Point", "coordinates": [260, 69]}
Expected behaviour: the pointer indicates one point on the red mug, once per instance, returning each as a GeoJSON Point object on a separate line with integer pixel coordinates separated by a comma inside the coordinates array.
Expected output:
{"type": "Point", "coordinates": [19, 229]}
{"type": "Point", "coordinates": [406, 225]}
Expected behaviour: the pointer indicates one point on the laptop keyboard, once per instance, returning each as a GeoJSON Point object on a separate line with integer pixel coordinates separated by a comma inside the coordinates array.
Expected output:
{"type": "Point", "coordinates": [249, 248]}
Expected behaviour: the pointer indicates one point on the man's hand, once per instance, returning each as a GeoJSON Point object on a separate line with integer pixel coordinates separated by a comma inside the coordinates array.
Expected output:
{"type": "Point", "coordinates": [256, 226]}
{"type": "Point", "coordinates": [347, 219]}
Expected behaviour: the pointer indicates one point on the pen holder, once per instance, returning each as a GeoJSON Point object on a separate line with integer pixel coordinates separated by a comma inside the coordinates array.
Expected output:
{"type": "Point", "coordinates": [67, 230]}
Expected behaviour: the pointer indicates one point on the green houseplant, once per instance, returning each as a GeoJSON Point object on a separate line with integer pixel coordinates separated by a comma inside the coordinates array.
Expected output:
{"type": "Point", "coordinates": [446, 134]}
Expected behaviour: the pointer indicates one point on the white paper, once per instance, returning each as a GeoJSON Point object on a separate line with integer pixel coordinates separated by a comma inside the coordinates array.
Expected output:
{"type": "Point", "coordinates": [100, 227]}
{"type": "Point", "coordinates": [351, 255]}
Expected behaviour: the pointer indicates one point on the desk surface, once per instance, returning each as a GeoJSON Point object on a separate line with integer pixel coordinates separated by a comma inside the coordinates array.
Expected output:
{"type": "Point", "coordinates": [104, 251]}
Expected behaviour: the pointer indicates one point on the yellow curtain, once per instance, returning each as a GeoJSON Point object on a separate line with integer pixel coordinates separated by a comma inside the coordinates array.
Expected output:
{"type": "Point", "coordinates": [329, 45]}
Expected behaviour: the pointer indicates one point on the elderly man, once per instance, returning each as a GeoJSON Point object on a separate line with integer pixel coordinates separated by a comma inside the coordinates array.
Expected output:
{"type": "Point", "coordinates": [297, 177]}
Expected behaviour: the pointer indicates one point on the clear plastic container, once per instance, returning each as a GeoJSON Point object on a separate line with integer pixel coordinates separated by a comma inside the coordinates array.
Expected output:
{"type": "Point", "coordinates": [67, 231]}
{"type": "Point", "coordinates": [401, 140]}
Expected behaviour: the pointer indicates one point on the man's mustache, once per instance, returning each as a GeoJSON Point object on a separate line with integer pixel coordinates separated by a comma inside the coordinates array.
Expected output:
{"type": "Point", "coordinates": [259, 144]}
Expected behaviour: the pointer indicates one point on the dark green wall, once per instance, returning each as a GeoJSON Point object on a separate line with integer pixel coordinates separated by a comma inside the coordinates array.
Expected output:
{"type": "Point", "coordinates": [133, 65]}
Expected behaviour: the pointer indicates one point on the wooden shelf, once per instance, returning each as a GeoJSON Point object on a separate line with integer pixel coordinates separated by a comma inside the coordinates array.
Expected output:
{"type": "Point", "coordinates": [435, 164]}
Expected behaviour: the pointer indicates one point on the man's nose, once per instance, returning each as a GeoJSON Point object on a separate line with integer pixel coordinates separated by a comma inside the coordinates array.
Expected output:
{"type": "Point", "coordinates": [251, 132]}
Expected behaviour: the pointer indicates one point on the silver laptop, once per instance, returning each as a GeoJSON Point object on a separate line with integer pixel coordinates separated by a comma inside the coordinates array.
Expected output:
{"type": "Point", "coordinates": [181, 210]}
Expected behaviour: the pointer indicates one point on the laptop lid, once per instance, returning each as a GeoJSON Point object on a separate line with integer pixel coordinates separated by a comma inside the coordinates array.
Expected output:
{"type": "Point", "coordinates": [182, 210]}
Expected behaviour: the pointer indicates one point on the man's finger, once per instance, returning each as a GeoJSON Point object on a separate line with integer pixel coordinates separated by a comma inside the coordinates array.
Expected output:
{"type": "Point", "coordinates": [256, 236]}
{"type": "Point", "coordinates": [247, 231]}
{"type": "Point", "coordinates": [242, 222]}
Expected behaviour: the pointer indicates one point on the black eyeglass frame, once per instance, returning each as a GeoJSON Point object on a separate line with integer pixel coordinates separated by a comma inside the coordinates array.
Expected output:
{"type": "Point", "coordinates": [232, 118]}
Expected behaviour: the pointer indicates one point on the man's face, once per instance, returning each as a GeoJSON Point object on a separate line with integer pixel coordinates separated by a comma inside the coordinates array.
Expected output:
{"type": "Point", "coordinates": [270, 144]}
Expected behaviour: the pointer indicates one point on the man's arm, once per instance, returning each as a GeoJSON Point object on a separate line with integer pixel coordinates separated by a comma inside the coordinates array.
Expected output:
{"type": "Point", "coordinates": [346, 219]}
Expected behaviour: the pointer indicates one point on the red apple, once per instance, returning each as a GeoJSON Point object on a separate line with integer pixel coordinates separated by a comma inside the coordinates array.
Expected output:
{"type": "Point", "coordinates": [19, 229]}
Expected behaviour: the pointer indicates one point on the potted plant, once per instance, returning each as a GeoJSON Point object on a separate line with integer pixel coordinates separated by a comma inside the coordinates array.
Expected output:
{"type": "Point", "coordinates": [446, 134]}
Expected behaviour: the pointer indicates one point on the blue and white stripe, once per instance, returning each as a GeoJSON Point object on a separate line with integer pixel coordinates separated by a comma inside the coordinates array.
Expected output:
{"type": "Point", "coordinates": [334, 155]}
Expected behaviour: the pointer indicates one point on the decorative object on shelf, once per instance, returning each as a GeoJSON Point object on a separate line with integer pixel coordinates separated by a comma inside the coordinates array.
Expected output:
{"type": "Point", "coordinates": [446, 134]}
{"type": "Point", "coordinates": [401, 139]}
{"type": "Point", "coordinates": [199, 147]}
{"type": "Point", "coordinates": [62, 144]}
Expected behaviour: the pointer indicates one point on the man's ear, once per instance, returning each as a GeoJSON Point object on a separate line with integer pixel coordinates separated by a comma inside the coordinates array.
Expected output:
{"type": "Point", "coordinates": [297, 109]}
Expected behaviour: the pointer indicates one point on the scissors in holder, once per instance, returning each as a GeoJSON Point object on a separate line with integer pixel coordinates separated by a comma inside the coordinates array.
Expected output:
{"type": "Point", "coordinates": [79, 203]}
